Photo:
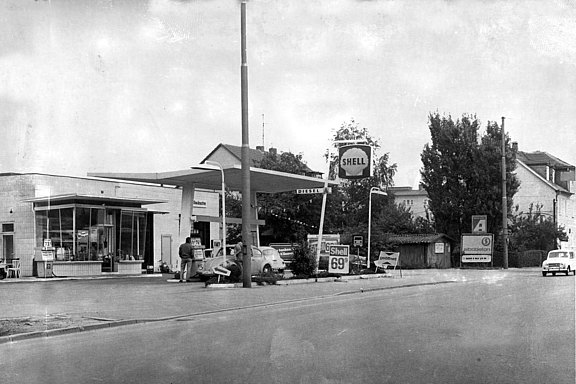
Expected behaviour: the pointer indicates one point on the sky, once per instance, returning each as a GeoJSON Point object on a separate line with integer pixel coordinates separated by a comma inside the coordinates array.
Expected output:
{"type": "Point", "coordinates": [154, 85]}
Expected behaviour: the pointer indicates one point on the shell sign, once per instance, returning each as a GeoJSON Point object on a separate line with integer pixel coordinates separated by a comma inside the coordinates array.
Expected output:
{"type": "Point", "coordinates": [355, 162]}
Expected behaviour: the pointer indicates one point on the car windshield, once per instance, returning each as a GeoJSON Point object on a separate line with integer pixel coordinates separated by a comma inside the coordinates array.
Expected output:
{"type": "Point", "coordinates": [558, 254]}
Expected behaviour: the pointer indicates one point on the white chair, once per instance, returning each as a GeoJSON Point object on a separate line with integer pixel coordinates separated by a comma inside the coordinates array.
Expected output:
{"type": "Point", "coordinates": [14, 269]}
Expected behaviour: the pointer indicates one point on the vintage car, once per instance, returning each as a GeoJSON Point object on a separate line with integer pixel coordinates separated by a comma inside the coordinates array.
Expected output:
{"type": "Point", "coordinates": [272, 254]}
{"type": "Point", "coordinates": [263, 261]}
{"type": "Point", "coordinates": [559, 261]}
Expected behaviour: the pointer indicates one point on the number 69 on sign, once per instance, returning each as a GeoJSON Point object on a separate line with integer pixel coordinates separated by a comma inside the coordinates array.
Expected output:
{"type": "Point", "coordinates": [338, 264]}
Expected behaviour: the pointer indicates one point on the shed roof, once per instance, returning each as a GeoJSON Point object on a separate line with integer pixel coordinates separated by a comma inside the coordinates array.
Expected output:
{"type": "Point", "coordinates": [418, 238]}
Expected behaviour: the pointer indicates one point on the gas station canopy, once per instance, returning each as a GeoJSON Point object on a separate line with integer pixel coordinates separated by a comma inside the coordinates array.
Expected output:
{"type": "Point", "coordinates": [205, 176]}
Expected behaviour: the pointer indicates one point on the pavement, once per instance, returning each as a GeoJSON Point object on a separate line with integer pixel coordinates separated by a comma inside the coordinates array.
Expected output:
{"type": "Point", "coordinates": [103, 302]}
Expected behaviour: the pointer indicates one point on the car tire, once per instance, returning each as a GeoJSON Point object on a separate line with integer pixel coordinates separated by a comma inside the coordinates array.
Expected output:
{"type": "Point", "coordinates": [267, 269]}
{"type": "Point", "coordinates": [544, 274]}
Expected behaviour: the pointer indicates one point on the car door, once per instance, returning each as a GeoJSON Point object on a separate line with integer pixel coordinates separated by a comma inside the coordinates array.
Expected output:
{"type": "Point", "coordinates": [257, 260]}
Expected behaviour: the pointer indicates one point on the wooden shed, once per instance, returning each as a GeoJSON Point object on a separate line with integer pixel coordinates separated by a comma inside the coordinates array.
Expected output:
{"type": "Point", "coordinates": [423, 250]}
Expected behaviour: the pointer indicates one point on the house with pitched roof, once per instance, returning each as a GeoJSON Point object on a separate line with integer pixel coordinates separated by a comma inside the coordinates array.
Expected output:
{"type": "Point", "coordinates": [229, 155]}
{"type": "Point", "coordinates": [549, 183]}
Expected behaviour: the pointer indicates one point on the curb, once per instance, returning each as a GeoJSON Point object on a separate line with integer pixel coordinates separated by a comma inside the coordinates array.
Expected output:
{"type": "Point", "coordinates": [48, 279]}
{"type": "Point", "coordinates": [65, 331]}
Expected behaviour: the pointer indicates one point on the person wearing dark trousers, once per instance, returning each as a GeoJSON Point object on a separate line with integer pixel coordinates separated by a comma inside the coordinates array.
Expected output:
{"type": "Point", "coordinates": [186, 253]}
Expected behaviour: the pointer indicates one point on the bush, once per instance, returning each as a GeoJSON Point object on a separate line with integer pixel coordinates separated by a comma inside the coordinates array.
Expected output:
{"type": "Point", "coordinates": [304, 263]}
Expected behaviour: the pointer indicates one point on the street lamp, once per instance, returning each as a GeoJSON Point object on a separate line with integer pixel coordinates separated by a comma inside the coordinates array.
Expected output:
{"type": "Point", "coordinates": [379, 192]}
{"type": "Point", "coordinates": [217, 164]}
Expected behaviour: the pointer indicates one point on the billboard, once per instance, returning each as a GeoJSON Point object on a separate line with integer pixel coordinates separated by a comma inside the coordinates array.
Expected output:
{"type": "Point", "coordinates": [327, 240]}
{"type": "Point", "coordinates": [477, 248]}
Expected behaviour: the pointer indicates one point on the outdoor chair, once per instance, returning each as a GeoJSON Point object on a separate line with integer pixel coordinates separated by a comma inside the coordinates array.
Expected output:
{"type": "Point", "coordinates": [14, 269]}
{"type": "Point", "coordinates": [387, 260]}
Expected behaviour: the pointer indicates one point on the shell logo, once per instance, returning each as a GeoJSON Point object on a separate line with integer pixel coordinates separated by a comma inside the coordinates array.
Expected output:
{"type": "Point", "coordinates": [355, 162]}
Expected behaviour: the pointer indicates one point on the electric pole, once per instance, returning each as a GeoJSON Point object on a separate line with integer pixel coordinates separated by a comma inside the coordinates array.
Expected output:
{"type": "Point", "coordinates": [504, 201]}
{"type": "Point", "coordinates": [246, 192]}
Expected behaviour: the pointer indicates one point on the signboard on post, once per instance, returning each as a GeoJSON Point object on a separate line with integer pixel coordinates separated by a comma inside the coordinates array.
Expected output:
{"type": "Point", "coordinates": [327, 240]}
{"type": "Point", "coordinates": [479, 223]}
{"type": "Point", "coordinates": [339, 259]}
{"type": "Point", "coordinates": [358, 241]}
{"type": "Point", "coordinates": [355, 161]}
{"type": "Point", "coordinates": [477, 248]}
{"type": "Point", "coordinates": [311, 191]}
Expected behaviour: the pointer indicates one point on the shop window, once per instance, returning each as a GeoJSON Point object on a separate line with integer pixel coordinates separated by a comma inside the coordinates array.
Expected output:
{"type": "Point", "coordinates": [89, 239]}
{"type": "Point", "coordinates": [132, 235]}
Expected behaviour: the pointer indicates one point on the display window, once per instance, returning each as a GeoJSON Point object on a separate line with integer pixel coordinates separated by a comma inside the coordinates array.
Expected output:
{"type": "Point", "coordinates": [88, 233]}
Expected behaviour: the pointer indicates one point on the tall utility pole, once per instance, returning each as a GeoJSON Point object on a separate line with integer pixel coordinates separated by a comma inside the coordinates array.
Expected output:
{"type": "Point", "coordinates": [504, 200]}
{"type": "Point", "coordinates": [246, 212]}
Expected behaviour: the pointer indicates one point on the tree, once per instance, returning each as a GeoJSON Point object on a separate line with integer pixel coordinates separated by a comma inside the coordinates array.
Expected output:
{"type": "Point", "coordinates": [462, 173]}
{"type": "Point", "coordinates": [347, 210]}
{"type": "Point", "coordinates": [353, 195]}
{"type": "Point", "coordinates": [534, 230]}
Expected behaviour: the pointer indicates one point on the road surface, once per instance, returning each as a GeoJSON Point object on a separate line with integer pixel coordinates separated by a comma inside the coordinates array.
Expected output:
{"type": "Point", "coordinates": [518, 329]}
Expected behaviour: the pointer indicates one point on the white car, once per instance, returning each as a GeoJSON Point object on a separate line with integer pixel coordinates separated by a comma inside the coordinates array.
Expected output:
{"type": "Point", "coordinates": [559, 261]}
{"type": "Point", "coordinates": [263, 261]}
{"type": "Point", "coordinates": [272, 254]}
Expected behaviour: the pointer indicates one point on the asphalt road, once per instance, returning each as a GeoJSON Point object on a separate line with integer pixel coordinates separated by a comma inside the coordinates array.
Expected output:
{"type": "Point", "coordinates": [515, 328]}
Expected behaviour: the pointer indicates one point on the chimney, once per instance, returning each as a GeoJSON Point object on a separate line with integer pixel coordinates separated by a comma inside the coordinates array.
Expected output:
{"type": "Point", "coordinates": [273, 151]}
{"type": "Point", "coordinates": [260, 148]}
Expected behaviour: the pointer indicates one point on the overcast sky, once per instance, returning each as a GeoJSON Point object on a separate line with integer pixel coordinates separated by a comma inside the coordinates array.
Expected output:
{"type": "Point", "coordinates": [154, 85]}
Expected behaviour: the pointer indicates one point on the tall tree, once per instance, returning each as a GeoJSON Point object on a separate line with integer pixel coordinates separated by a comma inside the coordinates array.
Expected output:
{"type": "Point", "coordinates": [462, 173]}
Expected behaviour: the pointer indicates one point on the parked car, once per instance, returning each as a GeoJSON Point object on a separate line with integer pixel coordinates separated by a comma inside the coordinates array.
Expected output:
{"type": "Point", "coordinates": [277, 263]}
{"type": "Point", "coordinates": [263, 261]}
{"type": "Point", "coordinates": [559, 261]}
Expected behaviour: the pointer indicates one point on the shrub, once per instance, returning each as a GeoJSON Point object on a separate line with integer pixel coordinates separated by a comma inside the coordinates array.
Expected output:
{"type": "Point", "coordinates": [304, 263]}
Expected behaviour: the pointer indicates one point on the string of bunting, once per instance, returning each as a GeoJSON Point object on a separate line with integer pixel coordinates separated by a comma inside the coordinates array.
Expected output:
{"type": "Point", "coordinates": [292, 220]}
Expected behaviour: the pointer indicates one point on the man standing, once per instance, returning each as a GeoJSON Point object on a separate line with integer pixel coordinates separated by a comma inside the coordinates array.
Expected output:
{"type": "Point", "coordinates": [186, 253]}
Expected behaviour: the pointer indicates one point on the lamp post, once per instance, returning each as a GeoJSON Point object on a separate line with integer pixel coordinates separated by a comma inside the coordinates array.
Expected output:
{"type": "Point", "coordinates": [217, 164]}
{"type": "Point", "coordinates": [379, 192]}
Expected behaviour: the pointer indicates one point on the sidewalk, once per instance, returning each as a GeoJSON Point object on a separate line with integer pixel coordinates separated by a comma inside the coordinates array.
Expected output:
{"type": "Point", "coordinates": [92, 303]}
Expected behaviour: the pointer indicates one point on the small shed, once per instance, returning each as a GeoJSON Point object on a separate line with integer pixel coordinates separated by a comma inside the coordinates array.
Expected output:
{"type": "Point", "coordinates": [423, 250]}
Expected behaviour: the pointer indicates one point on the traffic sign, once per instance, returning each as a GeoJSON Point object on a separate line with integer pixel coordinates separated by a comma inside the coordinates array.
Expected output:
{"type": "Point", "coordinates": [479, 223]}
{"type": "Point", "coordinates": [358, 241]}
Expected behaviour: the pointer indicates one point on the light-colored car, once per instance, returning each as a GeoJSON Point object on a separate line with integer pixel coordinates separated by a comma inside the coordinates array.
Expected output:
{"type": "Point", "coordinates": [559, 261]}
{"type": "Point", "coordinates": [262, 262]}
{"type": "Point", "coordinates": [277, 263]}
